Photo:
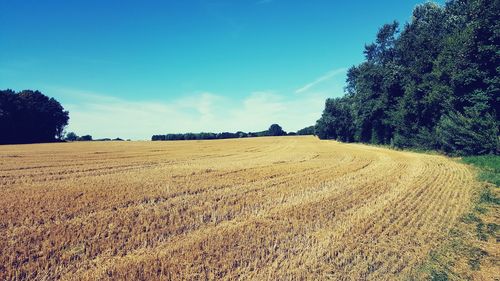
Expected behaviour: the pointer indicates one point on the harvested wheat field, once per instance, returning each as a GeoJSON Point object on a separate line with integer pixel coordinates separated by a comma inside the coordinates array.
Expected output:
{"type": "Point", "coordinates": [288, 208]}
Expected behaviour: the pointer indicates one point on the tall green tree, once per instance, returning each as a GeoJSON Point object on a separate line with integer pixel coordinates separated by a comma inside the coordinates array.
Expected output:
{"type": "Point", "coordinates": [276, 130]}
{"type": "Point", "coordinates": [29, 116]}
{"type": "Point", "coordinates": [337, 121]}
{"type": "Point", "coordinates": [434, 84]}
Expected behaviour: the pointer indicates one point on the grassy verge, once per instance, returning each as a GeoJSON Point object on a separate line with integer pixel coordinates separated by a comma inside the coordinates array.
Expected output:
{"type": "Point", "coordinates": [489, 166]}
{"type": "Point", "coordinates": [470, 251]}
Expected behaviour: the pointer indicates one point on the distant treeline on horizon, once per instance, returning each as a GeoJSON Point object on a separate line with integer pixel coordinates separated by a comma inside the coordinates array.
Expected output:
{"type": "Point", "coordinates": [274, 130]}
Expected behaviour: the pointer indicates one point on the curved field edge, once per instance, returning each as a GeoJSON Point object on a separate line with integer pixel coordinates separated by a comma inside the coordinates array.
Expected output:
{"type": "Point", "coordinates": [268, 208]}
{"type": "Point", "coordinates": [471, 251]}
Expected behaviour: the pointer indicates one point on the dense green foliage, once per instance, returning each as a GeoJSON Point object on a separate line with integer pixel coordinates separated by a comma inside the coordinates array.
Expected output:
{"type": "Point", "coordinates": [84, 138]}
{"type": "Point", "coordinates": [274, 130]}
{"type": "Point", "coordinates": [489, 166]}
{"type": "Point", "coordinates": [29, 117]}
{"type": "Point", "coordinates": [306, 131]}
{"type": "Point", "coordinates": [71, 136]}
{"type": "Point", "coordinates": [434, 84]}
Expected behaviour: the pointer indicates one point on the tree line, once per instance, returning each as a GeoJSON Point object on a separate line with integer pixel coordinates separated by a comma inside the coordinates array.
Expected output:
{"type": "Point", "coordinates": [432, 84]}
{"type": "Point", "coordinates": [274, 130]}
{"type": "Point", "coordinates": [72, 136]}
{"type": "Point", "coordinates": [30, 117]}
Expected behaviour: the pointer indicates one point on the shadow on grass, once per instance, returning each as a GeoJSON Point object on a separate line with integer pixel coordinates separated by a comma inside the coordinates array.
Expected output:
{"type": "Point", "coordinates": [467, 253]}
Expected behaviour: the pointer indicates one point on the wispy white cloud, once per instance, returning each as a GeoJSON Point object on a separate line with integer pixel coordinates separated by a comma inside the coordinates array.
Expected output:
{"type": "Point", "coordinates": [329, 75]}
{"type": "Point", "coordinates": [103, 115]}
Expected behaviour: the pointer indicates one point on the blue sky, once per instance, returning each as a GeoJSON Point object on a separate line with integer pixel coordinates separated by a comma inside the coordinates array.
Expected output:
{"type": "Point", "coordinates": [136, 68]}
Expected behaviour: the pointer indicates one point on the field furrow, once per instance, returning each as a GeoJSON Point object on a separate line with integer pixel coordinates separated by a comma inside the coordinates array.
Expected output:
{"type": "Point", "coordinates": [288, 208]}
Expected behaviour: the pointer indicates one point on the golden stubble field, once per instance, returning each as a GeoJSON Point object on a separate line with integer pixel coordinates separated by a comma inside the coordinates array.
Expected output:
{"type": "Point", "coordinates": [287, 208]}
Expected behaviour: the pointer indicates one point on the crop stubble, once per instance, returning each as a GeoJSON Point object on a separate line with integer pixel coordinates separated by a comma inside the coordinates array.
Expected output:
{"type": "Point", "coordinates": [260, 208]}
